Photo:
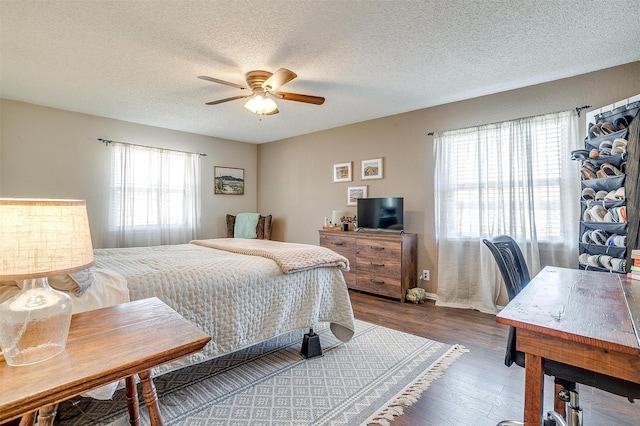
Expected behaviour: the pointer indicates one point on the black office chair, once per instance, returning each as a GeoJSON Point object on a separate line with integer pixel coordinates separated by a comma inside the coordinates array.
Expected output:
{"type": "Point", "coordinates": [515, 274]}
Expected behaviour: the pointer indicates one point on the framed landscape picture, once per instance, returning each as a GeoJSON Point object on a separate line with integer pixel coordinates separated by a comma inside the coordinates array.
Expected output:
{"type": "Point", "coordinates": [355, 192]}
{"type": "Point", "coordinates": [342, 172]}
{"type": "Point", "coordinates": [228, 180]}
{"type": "Point", "coordinates": [372, 169]}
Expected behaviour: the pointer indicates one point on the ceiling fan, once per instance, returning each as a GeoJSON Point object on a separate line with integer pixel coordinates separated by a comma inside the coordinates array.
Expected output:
{"type": "Point", "coordinates": [263, 86]}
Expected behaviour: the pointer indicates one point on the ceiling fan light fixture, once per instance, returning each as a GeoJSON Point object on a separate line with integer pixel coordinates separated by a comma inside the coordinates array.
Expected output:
{"type": "Point", "coordinates": [260, 105]}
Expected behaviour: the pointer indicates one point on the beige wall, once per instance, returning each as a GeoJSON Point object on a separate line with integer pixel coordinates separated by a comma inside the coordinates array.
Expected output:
{"type": "Point", "coordinates": [45, 152]}
{"type": "Point", "coordinates": [294, 175]}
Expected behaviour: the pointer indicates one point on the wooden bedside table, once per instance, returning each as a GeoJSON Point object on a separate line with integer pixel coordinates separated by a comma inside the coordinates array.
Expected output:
{"type": "Point", "coordinates": [104, 346]}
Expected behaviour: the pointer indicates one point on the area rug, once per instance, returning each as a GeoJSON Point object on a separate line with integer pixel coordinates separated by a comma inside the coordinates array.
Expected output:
{"type": "Point", "coordinates": [368, 380]}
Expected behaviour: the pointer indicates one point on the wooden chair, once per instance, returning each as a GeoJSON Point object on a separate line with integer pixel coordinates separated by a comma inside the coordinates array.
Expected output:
{"type": "Point", "coordinates": [263, 230]}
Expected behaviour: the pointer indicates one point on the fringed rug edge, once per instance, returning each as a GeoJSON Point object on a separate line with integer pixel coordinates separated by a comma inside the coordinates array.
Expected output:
{"type": "Point", "coordinates": [412, 392]}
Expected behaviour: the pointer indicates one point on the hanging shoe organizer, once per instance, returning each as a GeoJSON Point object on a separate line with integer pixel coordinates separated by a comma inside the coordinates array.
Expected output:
{"type": "Point", "coordinates": [603, 220]}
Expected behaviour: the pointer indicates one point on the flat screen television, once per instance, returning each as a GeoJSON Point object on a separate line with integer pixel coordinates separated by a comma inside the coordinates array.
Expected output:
{"type": "Point", "coordinates": [380, 214]}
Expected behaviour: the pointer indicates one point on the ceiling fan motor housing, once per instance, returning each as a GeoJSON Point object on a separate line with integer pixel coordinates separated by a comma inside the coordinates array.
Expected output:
{"type": "Point", "coordinates": [256, 78]}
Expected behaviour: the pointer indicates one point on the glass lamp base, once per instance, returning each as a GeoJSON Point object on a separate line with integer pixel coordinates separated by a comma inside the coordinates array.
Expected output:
{"type": "Point", "coordinates": [34, 355]}
{"type": "Point", "coordinates": [34, 324]}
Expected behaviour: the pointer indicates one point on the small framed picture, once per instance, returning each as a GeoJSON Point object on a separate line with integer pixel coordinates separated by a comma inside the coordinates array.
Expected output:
{"type": "Point", "coordinates": [372, 169]}
{"type": "Point", "coordinates": [228, 180]}
{"type": "Point", "coordinates": [342, 172]}
{"type": "Point", "coordinates": [355, 192]}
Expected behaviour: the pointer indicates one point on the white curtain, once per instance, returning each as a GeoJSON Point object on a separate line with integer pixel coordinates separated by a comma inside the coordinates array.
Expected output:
{"type": "Point", "coordinates": [515, 178]}
{"type": "Point", "coordinates": [155, 196]}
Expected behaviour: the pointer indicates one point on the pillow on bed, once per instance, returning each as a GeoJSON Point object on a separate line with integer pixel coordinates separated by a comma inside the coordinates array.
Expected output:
{"type": "Point", "coordinates": [75, 282]}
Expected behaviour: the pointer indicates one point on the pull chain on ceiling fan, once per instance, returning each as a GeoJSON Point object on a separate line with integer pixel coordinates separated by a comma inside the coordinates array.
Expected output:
{"type": "Point", "coordinates": [263, 86]}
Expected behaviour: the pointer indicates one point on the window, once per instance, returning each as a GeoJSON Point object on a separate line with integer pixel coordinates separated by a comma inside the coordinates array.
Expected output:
{"type": "Point", "coordinates": [500, 177]}
{"type": "Point", "coordinates": [154, 196]}
{"type": "Point", "coordinates": [514, 178]}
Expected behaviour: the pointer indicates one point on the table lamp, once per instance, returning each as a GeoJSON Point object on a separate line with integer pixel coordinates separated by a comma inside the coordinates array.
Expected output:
{"type": "Point", "coordinates": [39, 238]}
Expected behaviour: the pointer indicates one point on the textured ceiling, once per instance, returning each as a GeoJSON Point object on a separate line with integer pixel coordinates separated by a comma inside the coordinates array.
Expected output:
{"type": "Point", "coordinates": [138, 60]}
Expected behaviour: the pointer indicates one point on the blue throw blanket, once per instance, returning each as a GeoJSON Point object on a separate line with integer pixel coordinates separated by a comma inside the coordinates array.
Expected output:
{"type": "Point", "coordinates": [245, 226]}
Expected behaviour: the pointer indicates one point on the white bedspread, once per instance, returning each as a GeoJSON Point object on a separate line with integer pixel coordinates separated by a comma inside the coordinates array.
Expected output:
{"type": "Point", "coordinates": [239, 300]}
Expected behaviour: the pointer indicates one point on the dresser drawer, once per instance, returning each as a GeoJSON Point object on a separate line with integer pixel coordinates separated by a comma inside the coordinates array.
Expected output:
{"type": "Point", "coordinates": [339, 243]}
{"type": "Point", "coordinates": [373, 283]}
{"type": "Point", "coordinates": [379, 249]}
{"type": "Point", "coordinates": [381, 265]}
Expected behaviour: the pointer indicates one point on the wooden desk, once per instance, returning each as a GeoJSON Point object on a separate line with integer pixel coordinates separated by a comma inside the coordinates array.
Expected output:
{"type": "Point", "coordinates": [104, 346]}
{"type": "Point", "coordinates": [581, 318]}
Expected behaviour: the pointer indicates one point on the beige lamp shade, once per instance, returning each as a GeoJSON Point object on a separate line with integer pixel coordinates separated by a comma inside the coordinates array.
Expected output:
{"type": "Point", "coordinates": [40, 238]}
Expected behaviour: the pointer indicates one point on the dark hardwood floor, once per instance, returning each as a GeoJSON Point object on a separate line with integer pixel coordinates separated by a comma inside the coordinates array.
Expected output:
{"type": "Point", "coordinates": [478, 389]}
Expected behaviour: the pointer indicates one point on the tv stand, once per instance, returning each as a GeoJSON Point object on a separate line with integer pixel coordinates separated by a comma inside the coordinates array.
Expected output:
{"type": "Point", "coordinates": [382, 263]}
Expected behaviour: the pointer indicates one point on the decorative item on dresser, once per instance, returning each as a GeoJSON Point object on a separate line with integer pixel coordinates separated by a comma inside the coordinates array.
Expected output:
{"type": "Point", "coordinates": [382, 263]}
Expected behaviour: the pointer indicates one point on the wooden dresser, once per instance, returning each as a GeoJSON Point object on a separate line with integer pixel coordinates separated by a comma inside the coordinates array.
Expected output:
{"type": "Point", "coordinates": [381, 263]}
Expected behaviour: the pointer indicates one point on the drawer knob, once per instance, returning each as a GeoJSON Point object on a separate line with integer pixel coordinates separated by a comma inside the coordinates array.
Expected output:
{"type": "Point", "coordinates": [377, 248]}
{"type": "Point", "coordinates": [337, 243]}
{"type": "Point", "coordinates": [374, 281]}
{"type": "Point", "coordinates": [376, 264]}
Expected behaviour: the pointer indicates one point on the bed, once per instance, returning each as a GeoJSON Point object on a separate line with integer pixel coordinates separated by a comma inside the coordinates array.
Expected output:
{"type": "Point", "coordinates": [240, 292]}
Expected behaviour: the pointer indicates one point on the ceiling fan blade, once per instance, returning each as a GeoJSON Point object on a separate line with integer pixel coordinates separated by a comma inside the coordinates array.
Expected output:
{"type": "Point", "coordinates": [316, 100]}
{"type": "Point", "coordinates": [233, 98]}
{"type": "Point", "coordinates": [227, 83]}
{"type": "Point", "coordinates": [278, 78]}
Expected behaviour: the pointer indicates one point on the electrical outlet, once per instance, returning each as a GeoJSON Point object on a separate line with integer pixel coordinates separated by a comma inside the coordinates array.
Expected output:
{"type": "Point", "coordinates": [425, 275]}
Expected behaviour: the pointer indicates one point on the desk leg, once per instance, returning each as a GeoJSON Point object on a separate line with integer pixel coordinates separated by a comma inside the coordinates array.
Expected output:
{"type": "Point", "coordinates": [534, 389]}
{"type": "Point", "coordinates": [150, 398]}
{"type": "Point", "coordinates": [131, 391]}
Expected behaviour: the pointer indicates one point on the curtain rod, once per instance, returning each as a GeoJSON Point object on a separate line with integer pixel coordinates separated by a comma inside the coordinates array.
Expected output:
{"type": "Point", "coordinates": [578, 110]}
{"type": "Point", "coordinates": [108, 141]}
